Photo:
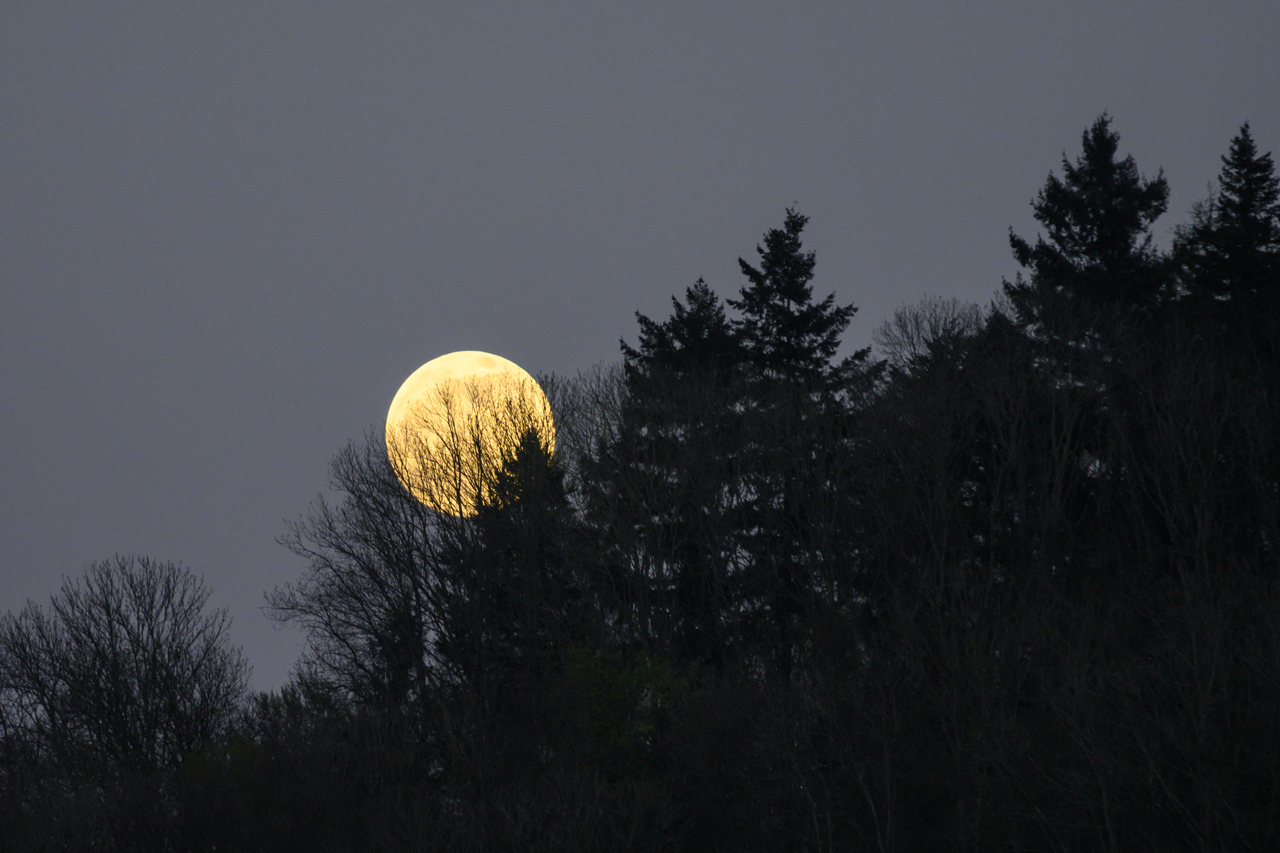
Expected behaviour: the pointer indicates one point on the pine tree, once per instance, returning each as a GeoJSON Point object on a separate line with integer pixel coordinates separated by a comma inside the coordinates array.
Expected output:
{"type": "Point", "coordinates": [670, 475]}
{"type": "Point", "coordinates": [1098, 254]}
{"type": "Point", "coordinates": [787, 336]}
{"type": "Point", "coordinates": [1232, 246]}
{"type": "Point", "coordinates": [796, 523]}
{"type": "Point", "coordinates": [512, 603]}
{"type": "Point", "coordinates": [508, 573]}
{"type": "Point", "coordinates": [526, 531]}
{"type": "Point", "coordinates": [696, 340]}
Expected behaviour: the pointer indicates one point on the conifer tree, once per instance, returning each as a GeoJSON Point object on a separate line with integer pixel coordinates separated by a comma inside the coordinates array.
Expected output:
{"type": "Point", "coordinates": [696, 339]}
{"type": "Point", "coordinates": [1232, 246]}
{"type": "Point", "coordinates": [515, 604]}
{"type": "Point", "coordinates": [527, 598]}
{"type": "Point", "coordinates": [670, 474]}
{"type": "Point", "coordinates": [1099, 252]}
{"type": "Point", "coordinates": [787, 336]}
{"type": "Point", "coordinates": [796, 519]}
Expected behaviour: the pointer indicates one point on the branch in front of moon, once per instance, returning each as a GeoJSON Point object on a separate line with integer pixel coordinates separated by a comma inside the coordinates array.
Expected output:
{"type": "Point", "coordinates": [456, 421]}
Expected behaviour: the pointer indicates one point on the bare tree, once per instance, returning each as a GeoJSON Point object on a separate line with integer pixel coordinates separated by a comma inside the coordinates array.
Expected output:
{"type": "Point", "coordinates": [916, 332]}
{"type": "Point", "coordinates": [393, 562]}
{"type": "Point", "coordinates": [371, 598]}
{"type": "Point", "coordinates": [126, 668]}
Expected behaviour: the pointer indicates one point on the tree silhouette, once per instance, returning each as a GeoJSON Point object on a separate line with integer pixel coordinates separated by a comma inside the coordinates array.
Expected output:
{"type": "Point", "coordinates": [697, 339]}
{"type": "Point", "coordinates": [516, 604]}
{"type": "Point", "coordinates": [104, 697]}
{"type": "Point", "coordinates": [1231, 248]}
{"type": "Point", "coordinates": [125, 670]}
{"type": "Point", "coordinates": [1098, 254]}
{"type": "Point", "coordinates": [786, 335]}
{"type": "Point", "coordinates": [370, 594]}
{"type": "Point", "coordinates": [671, 475]}
{"type": "Point", "coordinates": [797, 526]}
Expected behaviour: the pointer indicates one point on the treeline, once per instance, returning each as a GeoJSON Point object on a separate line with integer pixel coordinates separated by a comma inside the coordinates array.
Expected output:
{"type": "Point", "coordinates": [1012, 585]}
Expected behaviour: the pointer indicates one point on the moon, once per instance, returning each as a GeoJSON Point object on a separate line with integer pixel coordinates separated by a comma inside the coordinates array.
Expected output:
{"type": "Point", "coordinates": [454, 422]}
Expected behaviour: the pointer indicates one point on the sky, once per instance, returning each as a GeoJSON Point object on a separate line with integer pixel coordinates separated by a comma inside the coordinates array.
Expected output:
{"type": "Point", "coordinates": [229, 231]}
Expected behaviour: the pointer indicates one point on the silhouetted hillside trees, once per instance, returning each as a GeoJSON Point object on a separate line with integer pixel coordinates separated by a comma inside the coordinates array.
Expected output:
{"type": "Point", "coordinates": [103, 695]}
{"type": "Point", "coordinates": [1013, 587]}
{"type": "Point", "coordinates": [1079, 544]}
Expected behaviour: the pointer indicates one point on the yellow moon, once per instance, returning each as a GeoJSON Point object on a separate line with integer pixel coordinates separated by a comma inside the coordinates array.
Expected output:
{"type": "Point", "coordinates": [454, 422]}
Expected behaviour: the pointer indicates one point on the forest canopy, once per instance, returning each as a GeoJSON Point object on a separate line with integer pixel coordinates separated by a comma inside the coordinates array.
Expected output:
{"type": "Point", "coordinates": [1010, 582]}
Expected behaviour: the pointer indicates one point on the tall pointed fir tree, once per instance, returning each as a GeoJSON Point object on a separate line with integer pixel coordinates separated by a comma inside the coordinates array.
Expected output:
{"type": "Point", "coordinates": [1093, 275]}
{"type": "Point", "coordinates": [786, 335]}
{"type": "Point", "coordinates": [1231, 248]}
{"type": "Point", "coordinates": [665, 485]}
{"type": "Point", "coordinates": [1099, 254]}
{"type": "Point", "coordinates": [797, 520]}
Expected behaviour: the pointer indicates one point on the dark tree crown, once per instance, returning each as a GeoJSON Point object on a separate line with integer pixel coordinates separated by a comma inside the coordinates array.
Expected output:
{"type": "Point", "coordinates": [696, 337]}
{"type": "Point", "coordinates": [1097, 219]}
{"type": "Point", "coordinates": [784, 332]}
{"type": "Point", "coordinates": [1232, 245]}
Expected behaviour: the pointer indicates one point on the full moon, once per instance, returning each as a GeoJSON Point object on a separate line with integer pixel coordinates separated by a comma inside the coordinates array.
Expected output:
{"type": "Point", "coordinates": [454, 422]}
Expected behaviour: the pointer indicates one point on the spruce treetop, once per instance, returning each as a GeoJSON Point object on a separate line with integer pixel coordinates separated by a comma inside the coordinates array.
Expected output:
{"type": "Point", "coordinates": [785, 333]}
{"type": "Point", "coordinates": [1232, 245]}
{"type": "Point", "coordinates": [1097, 218]}
{"type": "Point", "coordinates": [696, 338]}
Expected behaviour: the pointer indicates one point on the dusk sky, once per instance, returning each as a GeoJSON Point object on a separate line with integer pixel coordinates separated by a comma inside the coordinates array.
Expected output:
{"type": "Point", "coordinates": [230, 231]}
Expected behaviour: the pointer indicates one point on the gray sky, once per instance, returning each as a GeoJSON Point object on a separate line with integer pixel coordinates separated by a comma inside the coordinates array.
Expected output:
{"type": "Point", "coordinates": [229, 231]}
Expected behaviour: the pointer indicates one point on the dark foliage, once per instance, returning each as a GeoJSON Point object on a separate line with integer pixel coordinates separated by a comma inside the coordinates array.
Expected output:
{"type": "Point", "coordinates": [1016, 587]}
{"type": "Point", "coordinates": [785, 334]}
{"type": "Point", "coordinates": [1098, 256]}
{"type": "Point", "coordinates": [1231, 248]}
{"type": "Point", "coordinates": [1228, 259]}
